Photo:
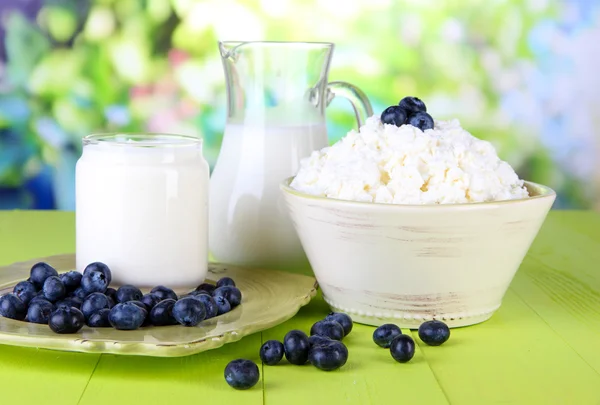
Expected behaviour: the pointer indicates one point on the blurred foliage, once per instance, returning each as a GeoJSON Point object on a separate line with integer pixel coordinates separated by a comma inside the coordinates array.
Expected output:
{"type": "Point", "coordinates": [84, 66]}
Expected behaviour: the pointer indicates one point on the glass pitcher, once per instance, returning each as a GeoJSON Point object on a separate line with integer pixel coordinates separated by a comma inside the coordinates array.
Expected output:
{"type": "Point", "coordinates": [277, 93]}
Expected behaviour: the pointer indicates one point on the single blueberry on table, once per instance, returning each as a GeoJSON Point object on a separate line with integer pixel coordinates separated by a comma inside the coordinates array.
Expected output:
{"type": "Point", "coordinates": [421, 120]}
{"type": "Point", "coordinates": [101, 267]}
{"type": "Point", "coordinates": [271, 352]}
{"type": "Point", "coordinates": [225, 281]}
{"type": "Point", "coordinates": [412, 105]}
{"type": "Point", "coordinates": [99, 319]}
{"type": "Point", "coordinates": [231, 294]}
{"type": "Point", "coordinates": [94, 281]}
{"type": "Point", "coordinates": [26, 291]}
{"type": "Point", "coordinates": [328, 356]}
{"type": "Point", "coordinates": [39, 311]}
{"type": "Point", "coordinates": [54, 289]}
{"type": "Point", "coordinates": [343, 319]}
{"type": "Point", "coordinates": [127, 316]}
{"type": "Point", "coordinates": [394, 115]}
{"type": "Point", "coordinates": [79, 293]}
{"type": "Point", "coordinates": [402, 348]}
{"type": "Point", "coordinates": [12, 307]}
{"type": "Point", "coordinates": [384, 334]}
{"type": "Point", "coordinates": [150, 300]}
{"type": "Point", "coordinates": [70, 302]}
{"type": "Point", "coordinates": [66, 320]}
{"type": "Point", "coordinates": [40, 272]}
{"type": "Point", "coordinates": [129, 292]}
{"type": "Point", "coordinates": [241, 374]}
{"type": "Point", "coordinates": [209, 305]}
{"type": "Point", "coordinates": [295, 347]}
{"type": "Point", "coordinates": [162, 313]}
{"type": "Point", "coordinates": [71, 280]}
{"type": "Point", "coordinates": [318, 340]}
{"type": "Point", "coordinates": [434, 333]}
{"type": "Point", "coordinates": [95, 302]}
{"type": "Point", "coordinates": [330, 329]}
{"type": "Point", "coordinates": [209, 288]}
{"type": "Point", "coordinates": [112, 294]}
{"type": "Point", "coordinates": [189, 311]}
{"type": "Point", "coordinates": [164, 293]}
{"type": "Point", "coordinates": [223, 306]}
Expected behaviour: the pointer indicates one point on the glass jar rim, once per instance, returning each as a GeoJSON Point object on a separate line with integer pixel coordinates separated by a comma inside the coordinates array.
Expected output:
{"type": "Point", "coordinates": [141, 139]}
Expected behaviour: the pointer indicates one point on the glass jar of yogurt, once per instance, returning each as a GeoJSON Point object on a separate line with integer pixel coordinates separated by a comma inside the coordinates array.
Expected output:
{"type": "Point", "coordinates": [142, 208]}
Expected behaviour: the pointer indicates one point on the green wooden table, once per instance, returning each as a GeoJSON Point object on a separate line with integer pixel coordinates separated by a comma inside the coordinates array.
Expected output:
{"type": "Point", "coordinates": [541, 347]}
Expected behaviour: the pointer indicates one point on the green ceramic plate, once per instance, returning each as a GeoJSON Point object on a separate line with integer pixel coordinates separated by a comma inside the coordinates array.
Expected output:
{"type": "Point", "coordinates": [268, 299]}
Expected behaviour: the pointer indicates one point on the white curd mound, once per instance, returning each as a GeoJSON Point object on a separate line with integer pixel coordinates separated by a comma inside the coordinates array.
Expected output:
{"type": "Point", "coordinates": [384, 163]}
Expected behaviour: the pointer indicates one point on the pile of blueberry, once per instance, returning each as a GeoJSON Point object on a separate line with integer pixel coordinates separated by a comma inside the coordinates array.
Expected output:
{"type": "Point", "coordinates": [324, 348]}
{"type": "Point", "coordinates": [409, 111]}
{"type": "Point", "coordinates": [68, 301]}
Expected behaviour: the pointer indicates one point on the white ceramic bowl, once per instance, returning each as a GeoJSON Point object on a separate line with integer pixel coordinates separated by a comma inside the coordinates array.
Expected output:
{"type": "Point", "coordinates": [406, 264]}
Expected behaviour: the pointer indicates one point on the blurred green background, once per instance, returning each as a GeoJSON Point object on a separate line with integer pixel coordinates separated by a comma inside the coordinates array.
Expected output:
{"type": "Point", "coordinates": [520, 73]}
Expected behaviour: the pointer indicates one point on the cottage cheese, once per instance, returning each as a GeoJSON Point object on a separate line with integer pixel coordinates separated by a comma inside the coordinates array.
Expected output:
{"type": "Point", "coordinates": [383, 163]}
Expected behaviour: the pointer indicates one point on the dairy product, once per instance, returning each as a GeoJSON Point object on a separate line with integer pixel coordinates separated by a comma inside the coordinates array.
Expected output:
{"type": "Point", "coordinates": [249, 224]}
{"type": "Point", "coordinates": [385, 163]}
{"type": "Point", "coordinates": [141, 208]}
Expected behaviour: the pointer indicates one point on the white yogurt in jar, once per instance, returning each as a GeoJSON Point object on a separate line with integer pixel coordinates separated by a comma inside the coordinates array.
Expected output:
{"type": "Point", "coordinates": [142, 208]}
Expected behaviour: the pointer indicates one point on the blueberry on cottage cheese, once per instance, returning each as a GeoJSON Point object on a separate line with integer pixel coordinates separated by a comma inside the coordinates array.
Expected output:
{"type": "Point", "coordinates": [129, 292]}
{"type": "Point", "coordinates": [412, 105]}
{"type": "Point", "coordinates": [402, 348]}
{"type": "Point", "coordinates": [66, 320]}
{"type": "Point", "coordinates": [384, 334]}
{"type": "Point", "coordinates": [54, 289]}
{"type": "Point", "coordinates": [421, 120]}
{"type": "Point", "coordinates": [271, 352]}
{"type": "Point", "coordinates": [434, 333]}
{"type": "Point", "coordinates": [71, 280]}
{"type": "Point", "coordinates": [223, 306]}
{"type": "Point", "coordinates": [94, 281]}
{"type": "Point", "coordinates": [209, 305]}
{"type": "Point", "coordinates": [225, 281]}
{"type": "Point", "coordinates": [394, 115]}
{"type": "Point", "coordinates": [164, 293]}
{"type": "Point", "coordinates": [189, 311]}
{"type": "Point", "coordinates": [231, 294]}
{"type": "Point", "coordinates": [101, 267]}
{"type": "Point", "coordinates": [328, 356]}
{"type": "Point", "coordinates": [295, 347]}
{"type": "Point", "coordinates": [162, 313]}
{"type": "Point", "coordinates": [330, 329]}
{"type": "Point", "coordinates": [40, 272]}
{"type": "Point", "coordinates": [99, 319]}
{"type": "Point", "coordinates": [39, 311]}
{"type": "Point", "coordinates": [241, 374]}
{"type": "Point", "coordinates": [127, 316]}
{"type": "Point", "coordinates": [12, 307]}
{"type": "Point", "coordinates": [343, 319]}
{"type": "Point", "coordinates": [26, 291]}
{"type": "Point", "coordinates": [95, 302]}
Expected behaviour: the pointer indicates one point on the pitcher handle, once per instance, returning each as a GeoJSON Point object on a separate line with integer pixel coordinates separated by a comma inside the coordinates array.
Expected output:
{"type": "Point", "coordinates": [358, 99]}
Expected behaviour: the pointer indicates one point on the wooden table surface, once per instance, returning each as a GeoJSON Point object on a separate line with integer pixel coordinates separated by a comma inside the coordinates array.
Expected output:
{"type": "Point", "coordinates": [541, 347]}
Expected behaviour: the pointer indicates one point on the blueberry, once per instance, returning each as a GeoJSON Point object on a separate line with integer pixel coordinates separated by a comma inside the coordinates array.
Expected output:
{"type": "Point", "coordinates": [127, 316]}
{"type": "Point", "coordinates": [189, 311]}
{"type": "Point", "coordinates": [223, 306]}
{"type": "Point", "coordinates": [128, 292]}
{"type": "Point", "coordinates": [384, 334]}
{"type": "Point", "coordinates": [66, 320]}
{"type": "Point", "coordinates": [39, 311]}
{"type": "Point", "coordinates": [40, 272]}
{"type": "Point", "coordinates": [150, 300]}
{"type": "Point", "coordinates": [421, 120]}
{"type": "Point", "coordinates": [394, 115]}
{"type": "Point", "coordinates": [112, 294]}
{"type": "Point", "coordinates": [209, 305]}
{"type": "Point", "coordinates": [164, 293]}
{"type": "Point", "coordinates": [225, 281]}
{"type": "Point", "coordinates": [328, 356]}
{"type": "Point", "coordinates": [343, 319]}
{"type": "Point", "coordinates": [94, 281]}
{"type": "Point", "coordinates": [318, 340]}
{"type": "Point", "coordinates": [241, 374]}
{"type": "Point", "coordinates": [412, 105]}
{"type": "Point", "coordinates": [434, 333]}
{"type": "Point", "coordinates": [231, 294]}
{"type": "Point", "coordinates": [330, 329]}
{"type": "Point", "coordinates": [79, 293]}
{"type": "Point", "coordinates": [102, 268]}
{"type": "Point", "coordinates": [54, 289]}
{"type": "Point", "coordinates": [402, 348]}
{"type": "Point", "coordinates": [295, 347]}
{"type": "Point", "coordinates": [271, 352]}
{"type": "Point", "coordinates": [38, 298]}
{"type": "Point", "coordinates": [95, 302]}
{"type": "Point", "coordinates": [71, 280]}
{"type": "Point", "coordinates": [12, 307]}
{"type": "Point", "coordinates": [162, 313]}
{"type": "Point", "coordinates": [99, 319]}
{"type": "Point", "coordinates": [145, 308]}
{"type": "Point", "coordinates": [26, 291]}
{"type": "Point", "coordinates": [70, 302]}
{"type": "Point", "coordinates": [209, 288]}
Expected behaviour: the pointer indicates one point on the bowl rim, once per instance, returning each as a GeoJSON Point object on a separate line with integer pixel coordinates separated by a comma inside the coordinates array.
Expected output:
{"type": "Point", "coordinates": [544, 192]}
